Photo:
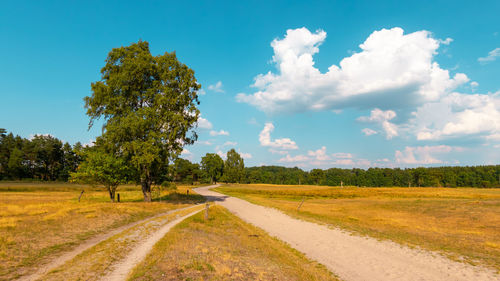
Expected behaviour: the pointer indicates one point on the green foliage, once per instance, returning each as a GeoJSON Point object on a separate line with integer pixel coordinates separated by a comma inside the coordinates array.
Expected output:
{"type": "Point", "coordinates": [234, 167]}
{"type": "Point", "coordinates": [41, 158]}
{"type": "Point", "coordinates": [167, 185]}
{"type": "Point", "coordinates": [185, 171]}
{"type": "Point", "coordinates": [149, 107]}
{"type": "Point", "coordinates": [213, 166]}
{"type": "Point", "coordinates": [102, 168]}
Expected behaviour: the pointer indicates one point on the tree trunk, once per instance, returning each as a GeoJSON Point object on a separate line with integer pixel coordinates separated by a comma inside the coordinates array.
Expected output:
{"type": "Point", "coordinates": [146, 190]}
{"type": "Point", "coordinates": [112, 191]}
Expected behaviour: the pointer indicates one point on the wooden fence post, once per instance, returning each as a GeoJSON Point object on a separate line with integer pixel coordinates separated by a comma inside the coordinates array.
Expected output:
{"type": "Point", "coordinates": [80, 195]}
{"type": "Point", "coordinates": [118, 197]}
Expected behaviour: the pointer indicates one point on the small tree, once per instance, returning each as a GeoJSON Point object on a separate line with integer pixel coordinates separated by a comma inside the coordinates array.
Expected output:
{"type": "Point", "coordinates": [234, 167]}
{"type": "Point", "coordinates": [213, 166]}
{"type": "Point", "coordinates": [102, 168]}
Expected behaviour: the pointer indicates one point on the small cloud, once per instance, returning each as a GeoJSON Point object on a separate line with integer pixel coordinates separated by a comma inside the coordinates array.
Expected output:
{"type": "Point", "coordinates": [274, 151]}
{"type": "Point", "coordinates": [290, 159]}
{"type": "Point", "coordinates": [201, 92]}
{"type": "Point", "coordinates": [245, 155]}
{"type": "Point", "coordinates": [422, 154]}
{"type": "Point", "coordinates": [204, 142]}
{"type": "Point", "coordinates": [204, 123]}
{"type": "Point", "coordinates": [319, 155]}
{"type": "Point", "coordinates": [369, 132]}
{"type": "Point", "coordinates": [342, 155]}
{"type": "Point", "coordinates": [284, 143]}
{"type": "Point", "coordinates": [219, 133]}
{"type": "Point", "coordinates": [221, 154]}
{"type": "Point", "coordinates": [217, 87]}
{"type": "Point", "coordinates": [492, 56]}
{"type": "Point", "coordinates": [230, 143]}
{"type": "Point", "coordinates": [447, 41]}
{"type": "Point", "coordinates": [337, 111]}
{"type": "Point", "coordinates": [382, 117]}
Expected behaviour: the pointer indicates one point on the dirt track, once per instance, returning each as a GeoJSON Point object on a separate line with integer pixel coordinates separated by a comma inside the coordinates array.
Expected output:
{"type": "Point", "coordinates": [349, 256]}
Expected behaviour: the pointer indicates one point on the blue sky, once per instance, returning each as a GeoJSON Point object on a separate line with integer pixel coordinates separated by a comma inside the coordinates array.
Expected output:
{"type": "Point", "coordinates": [308, 84]}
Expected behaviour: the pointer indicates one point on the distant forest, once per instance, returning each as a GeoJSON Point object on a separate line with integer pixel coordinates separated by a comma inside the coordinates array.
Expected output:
{"type": "Point", "coordinates": [47, 158]}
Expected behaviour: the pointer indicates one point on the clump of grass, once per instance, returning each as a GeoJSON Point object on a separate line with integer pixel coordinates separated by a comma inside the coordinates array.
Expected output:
{"type": "Point", "coordinates": [224, 248]}
{"type": "Point", "coordinates": [462, 223]}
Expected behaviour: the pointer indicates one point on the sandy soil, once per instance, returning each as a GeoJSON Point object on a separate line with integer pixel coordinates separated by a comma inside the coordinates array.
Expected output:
{"type": "Point", "coordinates": [349, 256]}
{"type": "Point", "coordinates": [64, 257]}
{"type": "Point", "coordinates": [138, 253]}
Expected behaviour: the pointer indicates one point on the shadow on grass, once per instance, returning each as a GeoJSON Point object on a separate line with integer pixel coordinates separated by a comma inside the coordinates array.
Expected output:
{"type": "Point", "coordinates": [181, 198]}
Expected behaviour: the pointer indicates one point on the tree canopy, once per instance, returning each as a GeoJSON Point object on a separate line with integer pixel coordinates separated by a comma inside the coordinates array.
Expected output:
{"type": "Point", "coordinates": [234, 167]}
{"type": "Point", "coordinates": [213, 166]}
{"type": "Point", "coordinates": [149, 106]}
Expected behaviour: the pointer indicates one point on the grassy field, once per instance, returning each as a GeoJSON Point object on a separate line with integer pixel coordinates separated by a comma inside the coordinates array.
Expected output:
{"type": "Point", "coordinates": [462, 223]}
{"type": "Point", "coordinates": [39, 220]}
{"type": "Point", "coordinates": [224, 248]}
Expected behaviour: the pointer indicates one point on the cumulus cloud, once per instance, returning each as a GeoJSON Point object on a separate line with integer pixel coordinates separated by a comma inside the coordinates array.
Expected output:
{"type": "Point", "coordinates": [422, 154]}
{"type": "Point", "coordinates": [382, 117]}
{"type": "Point", "coordinates": [219, 133]}
{"type": "Point", "coordinates": [294, 159]}
{"type": "Point", "coordinates": [245, 155]}
{"type": "Point", "coordinates": [274, 151]}
{"type": "Point", "coordinates": [283, 144]}
{"type": "Point", "coordinates": [369, 132]}
{"type": "Point", "coordinates": [392, 70]}
{"type": "Point", "coordinates": [204, 123]}
{"type": "Point", "coordinates": [458, 115]}
{"type": "Point", "coordinates": [217, 87]}
{"type": "Point", "coordinates": [201, 92]}
{"type": "Point", "coordinates": [492, 56]}
{"type": "Point", "coordinates": [319, 155]}
{"type": "Point", "coordinates": [342, 155]}
{"type": "Point", "coordinates": [230, 143]}
{"type": "Point", "coordinates": [221, 154]}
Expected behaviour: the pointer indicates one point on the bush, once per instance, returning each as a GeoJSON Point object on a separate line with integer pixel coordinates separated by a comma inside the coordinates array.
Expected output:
{"type": "Point", "coordinates": [167, 185]}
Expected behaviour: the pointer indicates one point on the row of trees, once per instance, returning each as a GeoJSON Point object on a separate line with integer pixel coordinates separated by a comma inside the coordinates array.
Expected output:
{"type": "Point", "coordinates": [40, 157]}
{"type": "Point", "coordinates": [47, 158]}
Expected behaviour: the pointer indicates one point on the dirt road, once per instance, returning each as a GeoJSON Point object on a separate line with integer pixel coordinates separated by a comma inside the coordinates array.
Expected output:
{"type": "Point", "coordinates": [349, 256]}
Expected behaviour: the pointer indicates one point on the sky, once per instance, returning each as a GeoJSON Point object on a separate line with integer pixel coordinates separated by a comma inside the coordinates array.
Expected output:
{"type": "Point", "coordinates": [309, 84]}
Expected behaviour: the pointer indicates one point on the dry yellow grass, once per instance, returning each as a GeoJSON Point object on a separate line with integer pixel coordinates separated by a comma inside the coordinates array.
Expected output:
{"type": "Point", "coordinates": [224, 248]}
{"type": "Point", "coordinates": [97, 261]}
{"type": "Point", "coordinates": [39, 220]}
{"type": "Point", "coordinates": [463, 223]}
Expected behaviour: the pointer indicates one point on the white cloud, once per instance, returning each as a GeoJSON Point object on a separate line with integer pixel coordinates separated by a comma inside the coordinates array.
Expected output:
{"type": "Point", "coordinates": [204, 142]}
{"type": "Point", "coordinates": [447, 41]}
{"type": "Point", "coordinates": [342, 155]}
{"type": "Point", "coordinates": [219, 133]}
{"type": "Point", "coordinates": [204, 123]}
{"type": "Point", "coordinates": [201, 92]}
{"type": "Point", "coordinates": [369, 132]}
{"type": "Point", "coordinates": [392, 70]}
{"type": "Point", "coordinates": [382, 117]}
{"type": "Point", "coordinates": [245, 155]}
{"type": "Point", "coordinates": [274, 151]}
{"type": "Point", "coordinates": [217, 87]}
{"type": "Point", "coordinates": [221, 154]}
{"type": "Point", "coordinates": [319, 155]}
{"type": "Point", "coordinates": [492, 56]}
{"type": "Point", "coordinates": [186, 152]}
{"type": "Point", "coordinates": [283, 144]}
{"type": "Point", "coordinates": [422, 154]}
{"type": "Point", "coordinates": [474, 84]}
{"type": "Point", "coordinates": [458, 115]}
{"type": "Point", "coordinates": [230, 143]}
{"type": "Point", "coordinates": [290, 159]}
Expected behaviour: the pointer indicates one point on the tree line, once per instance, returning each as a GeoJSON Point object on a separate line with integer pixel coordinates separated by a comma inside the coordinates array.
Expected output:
{"type": "Point", "coordinates": [47, 158]}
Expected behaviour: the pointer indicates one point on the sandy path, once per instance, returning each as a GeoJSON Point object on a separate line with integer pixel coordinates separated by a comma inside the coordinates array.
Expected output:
{"type": "Point", "coordinates": [349, 256]}
{"type": "Point", "coordinates": [139, 252]}
{"type": "Point", "coordinates": [60, 260]}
